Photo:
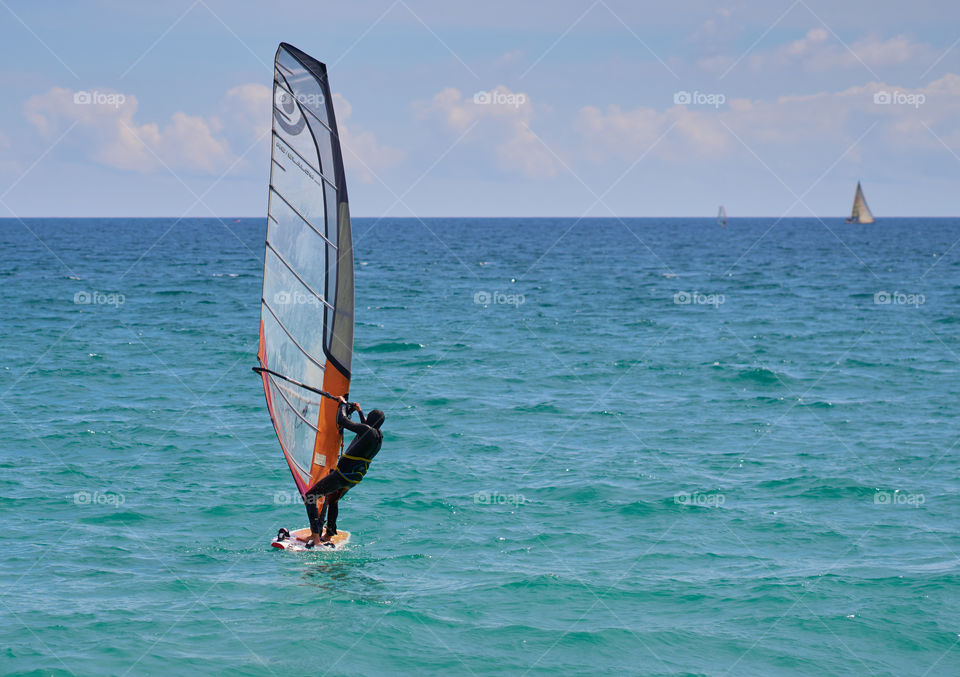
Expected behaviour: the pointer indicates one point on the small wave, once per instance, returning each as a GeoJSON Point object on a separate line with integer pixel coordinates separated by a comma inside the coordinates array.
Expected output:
{"type": "Point", "coordinates": [393, 347]}
{"type": "Point", "coordinates": [439, 401]}
{"type": "Point", "coordinates": [760, 376]}
{"type": "Point", "coordinates": [854, 362]}
{"type": "Point", "coordinates": [540, 408]}
{"type": "Point", "coordinates": [810, 487]}
{"type": "Point", "coordinates": [816, 404]}
{"type": "Point", "coordinates": [641, 508]}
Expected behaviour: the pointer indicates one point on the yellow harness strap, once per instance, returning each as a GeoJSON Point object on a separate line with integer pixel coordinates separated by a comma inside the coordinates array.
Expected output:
{"type": "Point", "coordinates": [346, 478]}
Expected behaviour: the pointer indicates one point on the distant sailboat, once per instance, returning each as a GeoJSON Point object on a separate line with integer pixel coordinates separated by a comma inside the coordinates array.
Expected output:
{"type": "Point", "coordinates": [722, 216]}
{"type": "Point", "coordinates": [861, 212]}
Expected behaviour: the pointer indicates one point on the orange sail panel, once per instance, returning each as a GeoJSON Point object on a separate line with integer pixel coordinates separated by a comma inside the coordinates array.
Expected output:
{"type": "Point", "coordinates": [306, 311]}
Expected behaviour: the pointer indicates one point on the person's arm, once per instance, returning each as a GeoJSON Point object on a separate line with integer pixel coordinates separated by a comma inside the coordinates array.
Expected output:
{"type": "Point", "coordinates": [343, 418]}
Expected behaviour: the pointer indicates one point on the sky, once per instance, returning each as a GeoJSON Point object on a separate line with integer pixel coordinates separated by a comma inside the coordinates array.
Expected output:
{"type": "Point", "coordinates": [544, 108]}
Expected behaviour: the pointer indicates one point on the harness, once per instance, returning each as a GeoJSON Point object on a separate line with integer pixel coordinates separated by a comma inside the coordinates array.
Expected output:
{"type": "Point", "coordinates": [352, 458]}
{"type": "Point", "coordinates": [362, 472]}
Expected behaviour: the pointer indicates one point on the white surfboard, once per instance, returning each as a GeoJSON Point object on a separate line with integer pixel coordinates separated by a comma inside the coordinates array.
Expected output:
{"type": "Point", "coordinates": [296, 541]}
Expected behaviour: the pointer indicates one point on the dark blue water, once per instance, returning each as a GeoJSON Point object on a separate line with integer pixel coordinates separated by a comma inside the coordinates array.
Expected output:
{"type": "Point", "coordinates": [654, 446]}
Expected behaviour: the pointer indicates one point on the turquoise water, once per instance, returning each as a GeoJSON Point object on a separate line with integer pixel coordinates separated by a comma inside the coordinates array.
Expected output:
{"type": "Point", "coordinates": [584, 475]}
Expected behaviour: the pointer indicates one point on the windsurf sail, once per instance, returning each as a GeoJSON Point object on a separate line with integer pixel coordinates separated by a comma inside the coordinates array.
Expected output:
{"type": "Point", "coordinates": [306, 308]}
{"type": "Point", "coordinates": [861, 212]}
{"type": "Point", "coordinates": [722, 216]}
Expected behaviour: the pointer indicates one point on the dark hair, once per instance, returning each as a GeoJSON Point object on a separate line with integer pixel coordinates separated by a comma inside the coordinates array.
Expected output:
{"type": "Point", "coordinates": [375, 418]}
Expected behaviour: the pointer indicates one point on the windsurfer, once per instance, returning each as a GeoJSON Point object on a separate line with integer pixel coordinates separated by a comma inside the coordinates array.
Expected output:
{"type": "Point", "coordinates": [351, 468]}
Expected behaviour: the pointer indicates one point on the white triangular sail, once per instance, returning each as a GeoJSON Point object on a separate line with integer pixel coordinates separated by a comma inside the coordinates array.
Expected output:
{"type": "Point", "coordinates": [722, 216]}
{"type": "Point", "coordinates": [861, 212]}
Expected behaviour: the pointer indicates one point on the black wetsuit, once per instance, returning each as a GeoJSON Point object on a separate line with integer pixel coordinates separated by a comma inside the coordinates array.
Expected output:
{"type": "Point", "coordinates": [351, 468]}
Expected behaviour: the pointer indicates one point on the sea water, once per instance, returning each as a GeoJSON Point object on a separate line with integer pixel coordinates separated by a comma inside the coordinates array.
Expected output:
{"type": "Point", "coordinates": [639, 446]}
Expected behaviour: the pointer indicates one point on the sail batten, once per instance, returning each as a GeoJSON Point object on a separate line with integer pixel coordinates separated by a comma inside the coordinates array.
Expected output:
{"type": "Point", "coordinates": [281, 389]}
{"type": "Point", "coordinates": [293, 150]}
{"type": "Point", "coordinates": [303, 218]}
{"type": "Point", "coordinates": [306, 317]}
{"type": "Point", "coordinates": [293, 340]}
{"type": "Point", "coordinates": [293, 272]}
{"type": "Point", "coordinates": [308, 110]}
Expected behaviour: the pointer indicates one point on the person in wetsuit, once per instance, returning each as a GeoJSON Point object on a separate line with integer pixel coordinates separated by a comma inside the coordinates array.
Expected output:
{"type": "Point", "coordinates": [351, 468]}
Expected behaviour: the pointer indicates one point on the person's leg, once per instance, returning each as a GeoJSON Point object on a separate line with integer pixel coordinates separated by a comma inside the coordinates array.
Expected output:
{"type": "Point", "coordinates": [324, 510]}
{"type": "Point", "coordinates": [334, 502]}
{"type": "Point", "coordinates": [314, 494]}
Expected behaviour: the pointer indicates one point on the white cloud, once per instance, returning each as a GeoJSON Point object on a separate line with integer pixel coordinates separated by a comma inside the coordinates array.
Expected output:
{"type": "Point", "coordinates": [245, 113]}
{"type": "Point", "coordinates": [896, 50]}
{"type": "Point", "coordinates": [510, 58]}
{"type": "Point", "coordinates": [503, 122]}
{"type": "Point", "coordinates": [363, 155]}
{"type": "Point", "coordinates": [817, 127]}
{"type": "Point", "coordinates": [820, 51]}
{"type": "Point", "coordinates": [718, 27]}
{"type": "Point", "coordinates": [677, 132]}
{"type": "Point", "coordinates": [107, 132]}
